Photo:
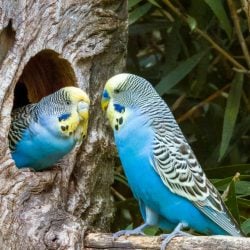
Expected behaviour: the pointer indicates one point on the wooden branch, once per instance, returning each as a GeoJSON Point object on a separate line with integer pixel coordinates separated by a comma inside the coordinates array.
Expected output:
{"type": "Point", "coordinates": [105, 241]}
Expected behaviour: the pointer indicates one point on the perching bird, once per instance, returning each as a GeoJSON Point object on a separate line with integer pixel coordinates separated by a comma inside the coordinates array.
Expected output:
{"type": "Point", "coordinates": [42, 133]}
{"type": "Point", "coordinates": [162, 170]}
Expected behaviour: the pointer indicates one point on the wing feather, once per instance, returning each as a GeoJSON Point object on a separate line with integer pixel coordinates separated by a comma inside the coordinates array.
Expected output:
{"type": "Point", "coordinates": [175, 162]}
{"type": "Point", "coordinates": [20, 120]}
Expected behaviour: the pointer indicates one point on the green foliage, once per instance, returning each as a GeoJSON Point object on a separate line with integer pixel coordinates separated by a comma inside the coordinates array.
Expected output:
{"type": "Point", "coordinates": [192, 54]}
{"type": "Point", "coordinates": [177, 74]}
{"type": "Point", "coordinates": [231, 112]}
{"type": "Point", "coordinates": [220, 12]}
{"type": "Point", "coordinates": [246, 226]}
{"type": "Point", "coordinates": [138, 12]}
{"type": "Point", "coordinates": [231, 200]}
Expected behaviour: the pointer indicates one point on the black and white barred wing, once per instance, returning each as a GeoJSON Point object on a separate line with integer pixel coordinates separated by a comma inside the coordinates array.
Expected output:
{"type": "Point", "coordinates": [20, 120]}
{"type": "Point", "coordinates": [175, 162]}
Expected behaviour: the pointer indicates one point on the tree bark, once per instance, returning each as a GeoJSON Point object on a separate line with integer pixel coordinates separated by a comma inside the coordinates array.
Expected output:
{"type": "Point", "coordinates": [45, 45]}
{"type": "Point", "coordinates": [105, 241]}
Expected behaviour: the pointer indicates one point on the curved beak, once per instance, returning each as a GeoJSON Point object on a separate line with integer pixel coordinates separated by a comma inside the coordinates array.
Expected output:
{"type": "Point", "coordinates": [105, 100]}
{"type": "Point", "coordinates": [83, 110]}
{"type": "Point", "coordinates": [104, 104]}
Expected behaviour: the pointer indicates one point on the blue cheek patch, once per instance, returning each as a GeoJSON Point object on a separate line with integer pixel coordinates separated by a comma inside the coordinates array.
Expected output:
{"type": "Point", "coordinates": [105, 94]}
{"type": "Point", "coordinates": [119, 108]}
{"type": "Point", "coordinates": [63, 117]}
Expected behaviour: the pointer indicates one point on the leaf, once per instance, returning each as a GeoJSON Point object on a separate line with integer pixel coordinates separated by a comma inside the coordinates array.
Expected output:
{"type": "Point", "coordinates": [221, 182]}
{"type": "Point", "coordinates": [231, 201]}
{"type": "Point", "coordinates": [151, 230]}
{"type": "Point", "coordinates": [219, 11]}
{"type": "Point", "coordinates": [178, 73]}
{"type": "Point", "coordinates": [227, 171]}
{"type": "Point", "coordinates": [138, 12]}
{"type": "Point", "coordinates": [244, 202]}
{"type": "Point", "coordinates": [232, 109]}
{"type": "Point", "coordinates": [240, 129]}
{"type": "Point", "coordinates": [191, 23]}
{"type": "Point", "coordinates": [246, 226]}
{"type": "Point", "coordinates": [145, 27]}
{"type": "Point", "coordinates": [201, 77]}
{"type": "Point", "coordinates": [243, 188]}
{"type": "Point", "coordinates": [129, 227]}
{"type": "Point", "coordinates": [172, 48]}
{"type": "Point", "coordinates": [201, 12]}
{"type": "Point", "coordinates": [153, 2]}
{"type": "Point", "coordinates": [132, 3]}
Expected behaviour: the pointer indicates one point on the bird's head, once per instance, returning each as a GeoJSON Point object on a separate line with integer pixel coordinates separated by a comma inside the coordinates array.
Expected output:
{"type": "Point", "coordinates": [123, 93]}
{"type": "Point", "coordinates": [66, 111]}
{"type": "Point", "coordinates": [112, 88]}
{"type": "Point", "coordinates": [76, 97]}
{"type": "Point", "coordinates": [109, 102]}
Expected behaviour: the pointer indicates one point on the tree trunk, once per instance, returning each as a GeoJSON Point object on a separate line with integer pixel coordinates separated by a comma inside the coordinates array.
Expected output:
{"type": "Point", "coordinates": [45, 45]}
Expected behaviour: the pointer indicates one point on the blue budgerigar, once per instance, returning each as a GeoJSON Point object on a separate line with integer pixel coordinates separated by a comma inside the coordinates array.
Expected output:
{"type": "Point", "coordinates": [42, 133]}
{"type": "Point", "coordinates": [162, 170]}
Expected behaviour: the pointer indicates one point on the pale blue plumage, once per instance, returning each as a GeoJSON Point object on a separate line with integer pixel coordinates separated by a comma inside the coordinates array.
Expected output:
{"type": "Point", "coordinates": [40, 147]}
{"type": "Point", "coordinates": [43, 133]}
{"type": "Point", "coordinates": [147, 185]}
{"type": "Point", "coordinates": [162, 171]}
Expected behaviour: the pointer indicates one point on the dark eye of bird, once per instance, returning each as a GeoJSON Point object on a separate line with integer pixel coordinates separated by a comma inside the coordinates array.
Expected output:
{"type": "Point", "coordinates": [117, 91]}
{"type": "Point", "coordinates": [68, 102]}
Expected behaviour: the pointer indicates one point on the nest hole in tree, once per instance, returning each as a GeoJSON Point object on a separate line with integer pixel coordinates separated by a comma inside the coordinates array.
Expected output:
{"type": "Point", "coordinates": [45, 73]}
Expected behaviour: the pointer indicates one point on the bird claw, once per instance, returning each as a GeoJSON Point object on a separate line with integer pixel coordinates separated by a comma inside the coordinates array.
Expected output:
{"type": "Point", "coordinates": [176, 233]}
{"type": "Point", "coordinates": [166, 238]}
{"type": "Point", "coordinates": [127, 233]}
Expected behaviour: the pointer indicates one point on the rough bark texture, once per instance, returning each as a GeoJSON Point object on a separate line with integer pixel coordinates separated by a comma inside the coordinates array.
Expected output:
{"type": "Point", "coordinates": [45, 45]}
{"type": "Point", "coordinates": [105, 241]}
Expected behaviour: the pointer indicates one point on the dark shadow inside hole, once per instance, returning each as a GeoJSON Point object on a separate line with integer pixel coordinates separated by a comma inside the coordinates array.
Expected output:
{"type": "Point", "coordinates": [45, 73]}
{"type": "Point", "coordinates": [20, 95]}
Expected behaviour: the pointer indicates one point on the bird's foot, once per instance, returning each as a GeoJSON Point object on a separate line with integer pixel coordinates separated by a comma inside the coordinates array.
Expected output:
{"type": "Point", "coordinates": [136, 231]}
{"type": "Point", "coordinates": [166, 238]}
{"type": "Point", "coordinates": [127, 233]}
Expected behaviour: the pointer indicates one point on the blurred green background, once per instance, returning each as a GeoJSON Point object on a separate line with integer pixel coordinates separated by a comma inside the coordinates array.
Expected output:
{"type": "Point", "coordinates": [196, 55]}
